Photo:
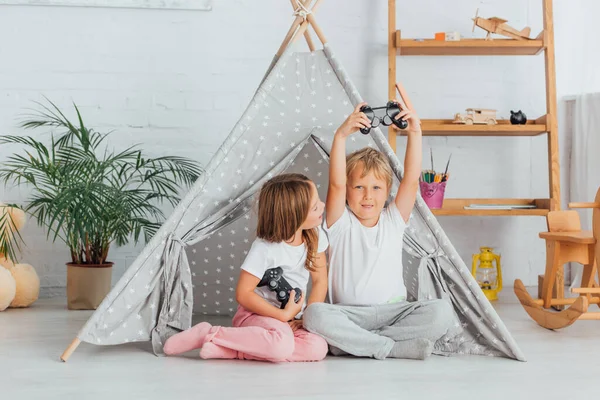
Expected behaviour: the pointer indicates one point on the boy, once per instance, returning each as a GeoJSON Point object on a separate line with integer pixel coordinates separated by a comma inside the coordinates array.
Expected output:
{"type": "Point", "coordinates": [369, 315]}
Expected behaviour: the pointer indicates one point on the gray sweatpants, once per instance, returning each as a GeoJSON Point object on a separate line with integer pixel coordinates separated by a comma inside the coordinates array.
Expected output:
{"type": "Point", "coordinates": [371, 331]}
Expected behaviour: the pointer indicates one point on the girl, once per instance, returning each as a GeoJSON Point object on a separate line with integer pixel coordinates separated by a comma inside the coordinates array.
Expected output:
{"type": "Point", "coordinates": [288, 236]}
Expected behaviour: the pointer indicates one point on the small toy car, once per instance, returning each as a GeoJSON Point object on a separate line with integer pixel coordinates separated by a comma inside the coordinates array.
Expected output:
{"type": "Point", "coordinates": [476, 116]}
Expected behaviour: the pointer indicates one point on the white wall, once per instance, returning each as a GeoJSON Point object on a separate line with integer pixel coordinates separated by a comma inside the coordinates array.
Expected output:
{"type": "Point", "coordinates": [176, 81]}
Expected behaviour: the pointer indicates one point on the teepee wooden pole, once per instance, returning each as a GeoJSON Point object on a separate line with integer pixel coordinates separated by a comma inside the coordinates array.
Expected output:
{"type": "Point", "coordinates": [309, 41]}
{"type": "Point", "coordinates": [69, 350]}
{"type": "Point", "coordinates": [316, 28]}
{"type": "Point", "coordinates": [295, 29]}
{"type": "Point", "coordinates": [303, 27]}
{"type": "Point", "coordinates": [313, 22]}
{"type": "Point", "coordinates": [289, 35]}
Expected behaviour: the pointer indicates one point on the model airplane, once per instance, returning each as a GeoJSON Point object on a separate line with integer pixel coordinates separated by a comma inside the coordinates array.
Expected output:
{"type": "Point", "coordinates": [499, 26]}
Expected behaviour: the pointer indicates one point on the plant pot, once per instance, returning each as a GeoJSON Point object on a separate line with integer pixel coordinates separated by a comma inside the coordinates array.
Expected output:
{"type": "Point", "coordinates": [87, 285]}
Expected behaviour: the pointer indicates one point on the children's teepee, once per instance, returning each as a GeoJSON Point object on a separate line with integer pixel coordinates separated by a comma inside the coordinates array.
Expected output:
{"type": "Point", "coordinates": [192, 264]}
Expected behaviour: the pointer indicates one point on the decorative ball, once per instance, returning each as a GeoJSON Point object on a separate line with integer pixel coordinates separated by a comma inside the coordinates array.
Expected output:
{"type": "Point", "coordinates": [8, 288]}
{"type": "Point", "coordinates": [28, 285]}
{"type": "Point", "coordinates": [17, 215]}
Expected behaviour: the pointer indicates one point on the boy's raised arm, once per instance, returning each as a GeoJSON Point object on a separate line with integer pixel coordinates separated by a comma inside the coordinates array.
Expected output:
{"type": "Point", "coordinates": [407, 191]}
{"type": "Point", "coordinates": [336, 192]}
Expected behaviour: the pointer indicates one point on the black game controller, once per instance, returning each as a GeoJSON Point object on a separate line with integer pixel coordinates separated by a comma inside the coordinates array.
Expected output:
{"type": "Point", "coordinates": [391, 110]}
{"type": "Point", "coordinates": [274, 280]}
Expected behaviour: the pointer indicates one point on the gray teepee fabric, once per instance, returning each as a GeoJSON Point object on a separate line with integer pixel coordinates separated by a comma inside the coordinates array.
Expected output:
{"type": "Point", "coordinates": [192, 264]}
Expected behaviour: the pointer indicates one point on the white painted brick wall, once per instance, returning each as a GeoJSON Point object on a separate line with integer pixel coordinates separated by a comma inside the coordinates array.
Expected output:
{"type": "Point", "coordinates": [176, 82]}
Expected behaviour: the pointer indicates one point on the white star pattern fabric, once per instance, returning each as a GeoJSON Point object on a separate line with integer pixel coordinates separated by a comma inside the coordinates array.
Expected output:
{"type": "Point", "coordinates": [192, 264]}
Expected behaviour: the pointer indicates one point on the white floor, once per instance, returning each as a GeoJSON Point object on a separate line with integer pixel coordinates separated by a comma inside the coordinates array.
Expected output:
{"type": "Point", "coordinates": [561, 365]}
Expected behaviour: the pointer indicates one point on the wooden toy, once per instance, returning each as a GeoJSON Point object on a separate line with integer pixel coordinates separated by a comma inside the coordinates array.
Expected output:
{"type": "Point", "coordinates": [476, 116]}
{"type": "Point", "coordinates": [566, 242]}
{"type": "Point", "coordinates": [500, 27]}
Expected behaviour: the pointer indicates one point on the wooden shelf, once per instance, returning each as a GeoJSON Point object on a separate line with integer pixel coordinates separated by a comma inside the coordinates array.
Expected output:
{"type": "Point", "coordinates": [445, 127]}
{"type": "Point", "coordinates": [467, 47]}
{"type": "Point", "coordinates": [457, 207]}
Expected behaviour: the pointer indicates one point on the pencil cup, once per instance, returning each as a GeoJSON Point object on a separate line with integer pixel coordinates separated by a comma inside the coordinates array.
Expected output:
{"type": "Point", "coordinates": [433, 193]}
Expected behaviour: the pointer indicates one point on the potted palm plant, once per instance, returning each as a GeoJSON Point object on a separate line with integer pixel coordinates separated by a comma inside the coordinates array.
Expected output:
{"type": "Point", "coordinates": [89, 196]}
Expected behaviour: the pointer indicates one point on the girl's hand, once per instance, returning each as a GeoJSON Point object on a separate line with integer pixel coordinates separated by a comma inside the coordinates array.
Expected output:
{"type": "Point", "coordinates": [414, 123]}
{"type": "Point", "coordinates": [292, 308]}
{"type": "Point", "coordinates": [354, 122]}
{"type": "Point", "coordinates": [295, 324]}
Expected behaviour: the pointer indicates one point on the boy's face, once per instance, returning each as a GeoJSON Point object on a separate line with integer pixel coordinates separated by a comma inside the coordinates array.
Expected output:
{"type": "Point", "coordinates": [366, 195]}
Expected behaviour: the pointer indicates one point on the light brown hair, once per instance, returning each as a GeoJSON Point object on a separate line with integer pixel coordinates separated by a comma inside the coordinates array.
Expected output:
{"type": "Point", "coordinates": [371, 160]}
{"type": "Point", "coordinates": [283, 205]}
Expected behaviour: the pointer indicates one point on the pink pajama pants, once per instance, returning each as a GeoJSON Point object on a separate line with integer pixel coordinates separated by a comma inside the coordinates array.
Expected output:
{"type": "Point", "coordinates": [255, 337]}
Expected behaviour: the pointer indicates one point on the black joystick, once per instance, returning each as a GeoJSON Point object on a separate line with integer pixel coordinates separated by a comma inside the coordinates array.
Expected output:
{"type": "Point", "coordinates": [274, 280]}
{"type": "Point", "coordinates": [392, 109]}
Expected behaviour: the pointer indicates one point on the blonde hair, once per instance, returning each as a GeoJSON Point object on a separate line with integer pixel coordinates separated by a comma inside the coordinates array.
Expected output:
{"type": "Point", "coordinates": [283, 205]}
{"type": "Point", "coordinates": [371, 160]}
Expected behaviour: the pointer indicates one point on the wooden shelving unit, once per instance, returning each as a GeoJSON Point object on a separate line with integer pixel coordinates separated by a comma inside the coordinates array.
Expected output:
{"type": "Point", "coordinates": [546, 124]}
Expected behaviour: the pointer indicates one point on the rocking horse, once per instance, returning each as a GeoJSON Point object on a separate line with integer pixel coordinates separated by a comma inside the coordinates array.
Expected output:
{"type": "Point", "coordinates": [566, 242]}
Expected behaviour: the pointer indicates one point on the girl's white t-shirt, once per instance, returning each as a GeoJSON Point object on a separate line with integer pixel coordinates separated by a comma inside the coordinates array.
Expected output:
{"type": "Point", "coordinates": [365, 264]}
{"type": "Point", "coordinates": [265, 255]}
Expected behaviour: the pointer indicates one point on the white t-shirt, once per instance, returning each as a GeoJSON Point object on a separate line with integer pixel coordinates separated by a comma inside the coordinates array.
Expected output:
{"type": "Point", "coordinates": [365, 264]}
{"type": "Point", "coordinates": [265, 255]}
